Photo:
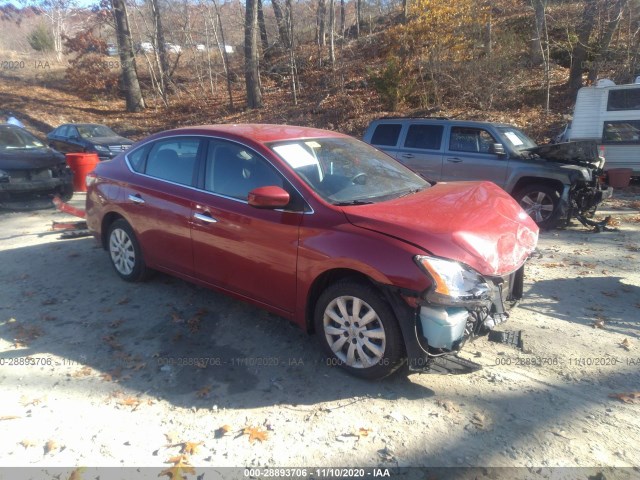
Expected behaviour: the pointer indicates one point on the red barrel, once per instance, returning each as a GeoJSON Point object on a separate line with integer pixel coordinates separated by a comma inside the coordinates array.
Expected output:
{"type": "Point", "coordinates": [81, 164]}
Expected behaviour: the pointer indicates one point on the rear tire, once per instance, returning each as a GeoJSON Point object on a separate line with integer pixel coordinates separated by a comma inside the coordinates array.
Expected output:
{"type": "Point", "coordinates": [541, 203]}
{"type": "Point", "coordinates": [358, 330]}
{"type": "Point", "coordinates": [125, 252]}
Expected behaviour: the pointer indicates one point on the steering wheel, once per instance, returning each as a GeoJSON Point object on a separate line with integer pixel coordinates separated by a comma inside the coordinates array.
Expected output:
{"type": "Point", "coordinates": [359, 178]}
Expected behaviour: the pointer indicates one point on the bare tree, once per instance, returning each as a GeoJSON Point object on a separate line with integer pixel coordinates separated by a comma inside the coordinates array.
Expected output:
{"type": "Point", "coordinates": [579, 55]}
{"type": "Point", "coordinates": [132, 92]}
{"type": "Point", "coordinates": [332, 28]}
{"type": "Point", "coordinates": [251, 70]}
{"type": "Point", "coordinates": [358, 16]}
{"type": "Point", "coordinates": [538, 26]}
{"type": "Point", "coordinates": [321, 31]}
{"type": "Point", "coordinates": [59, 13]}
{"type": "Point", "coordinates": [160, 49]}
{"type": "Point", "coordinates": [281, 21]}
{"type": "Point", "coordinates": [343, 15]}
{"type": "Point", "coordinates": [263, 27]}
{"type": "Point", "coordinates": [611, 25]}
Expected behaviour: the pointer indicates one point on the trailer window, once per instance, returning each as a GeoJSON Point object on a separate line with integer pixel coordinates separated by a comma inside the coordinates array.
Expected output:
{"type": "Point", "coordinates": [625, 131]}
{"type": "Point", "coordinates": [625, 99]}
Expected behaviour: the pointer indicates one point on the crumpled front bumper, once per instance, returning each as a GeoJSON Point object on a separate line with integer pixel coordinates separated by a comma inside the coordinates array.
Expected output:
{"type": "Point", "coordinates": [433, 339]}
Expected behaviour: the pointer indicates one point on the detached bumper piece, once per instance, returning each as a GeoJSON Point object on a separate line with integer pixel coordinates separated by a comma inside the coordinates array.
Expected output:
{"type": "Point", "coordinates": [445, 365]}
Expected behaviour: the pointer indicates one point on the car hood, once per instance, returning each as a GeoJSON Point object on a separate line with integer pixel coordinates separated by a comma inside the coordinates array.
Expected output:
{"type": "Point", "coordinates": [106, 141]}
{"type": "Point", "coordinates": [31, 158]}
{"type": "Point", "coordinates": [476, 223]}
{"type": "Point", "coordinates": [579, 152]}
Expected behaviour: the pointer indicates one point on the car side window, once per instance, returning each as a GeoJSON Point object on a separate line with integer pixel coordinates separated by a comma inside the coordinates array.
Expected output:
{"type": "Point", "coordinates": [233, 170]}
{"type": "Point", "coordinates": [173, 160]}
{"type": "Point", "coordinates": [72, 132]}
{"type": "Point", "coordinates": [63, 131]}
{"type": "Point", "coordinates": [386, 134]}
{"type": "Point", "coordinates": [476, 140]}
{"type": "Point", "coordinates": [136, 158]}
{"type": "Point", "coordinates": [428, 137]}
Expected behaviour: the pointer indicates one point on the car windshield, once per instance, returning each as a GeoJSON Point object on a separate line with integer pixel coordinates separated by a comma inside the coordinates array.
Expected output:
{"type": "Point", "coordinates": [346, 171]}
{"type": "Point", "coordinates": [18, 139]}
{"type": "Point", "coordinates": [517, 138]}
{"type": "Point", "coordinates": [90, 131]}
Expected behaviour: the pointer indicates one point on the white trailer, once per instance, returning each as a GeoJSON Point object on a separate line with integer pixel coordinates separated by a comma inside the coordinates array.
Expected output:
{"type": "Point", "coordinates": [609, 114]}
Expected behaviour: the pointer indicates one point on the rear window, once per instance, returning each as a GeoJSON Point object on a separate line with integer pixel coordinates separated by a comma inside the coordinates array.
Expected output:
{"type": "Point", "coordinates": [624, 131]}
{"type": "Point", "coordinates": [428, 137]}
{"type": "Point", "coordinates": [626, 99]}
{"type": "Point", "coordinates": [386, 134]}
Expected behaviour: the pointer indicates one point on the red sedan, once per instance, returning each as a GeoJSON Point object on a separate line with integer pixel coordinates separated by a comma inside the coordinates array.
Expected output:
{"type": "Point", "coordinates": [323, 230]}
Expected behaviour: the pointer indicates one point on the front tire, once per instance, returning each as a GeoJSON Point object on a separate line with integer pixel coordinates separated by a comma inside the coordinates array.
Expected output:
{"type": "Point", "coordinates": [125, 252]}
{"type": "Point", "coordinates": [358, 330]}
{"type": "Point", "coordinates": [541, 203]}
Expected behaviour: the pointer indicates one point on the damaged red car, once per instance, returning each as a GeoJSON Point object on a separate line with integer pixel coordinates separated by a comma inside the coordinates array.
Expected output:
{"type": "Point", "coordinates": [321, 229]}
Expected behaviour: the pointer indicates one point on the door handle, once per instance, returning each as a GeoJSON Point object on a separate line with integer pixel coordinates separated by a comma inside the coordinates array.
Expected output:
{"type": "Point", "coordinates": [454, 160]}
{"type": "Point", "coordinates": [407, 155]}
{"type": "Point", "coordinates": [136, 198]}
{"type": "Point", "coordinates": [204, 218]}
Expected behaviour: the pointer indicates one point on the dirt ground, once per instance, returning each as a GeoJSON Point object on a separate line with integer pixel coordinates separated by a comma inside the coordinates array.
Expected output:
{"type": "Point", "coordinates": [97, 372]}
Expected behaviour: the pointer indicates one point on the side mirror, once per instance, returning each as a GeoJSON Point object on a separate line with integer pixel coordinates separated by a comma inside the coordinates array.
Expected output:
{"type": "Point", "coordinates": [498, 149]}
{"type": "Point", "coordinates": [268, 197]}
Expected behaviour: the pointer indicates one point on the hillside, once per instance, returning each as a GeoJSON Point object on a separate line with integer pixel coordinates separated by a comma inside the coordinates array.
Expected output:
{"type": "Point", "coordinates": [503, 85]}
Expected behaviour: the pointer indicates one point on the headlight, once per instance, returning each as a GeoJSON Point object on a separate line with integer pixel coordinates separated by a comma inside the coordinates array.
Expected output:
{"type": "Point", "coordinates": [101, 148]}
{"type": "Point", "coordinates": [453, 282]}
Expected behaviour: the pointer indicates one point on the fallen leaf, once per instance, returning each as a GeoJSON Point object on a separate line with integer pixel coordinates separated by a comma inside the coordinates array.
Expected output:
{"type": "Point", "coordinates": [26, 402]}
{"type": "Point", "coordinates": [626, 344]}
{"type": "Point", "coordinates": [255, 434]}
{"type": "Point", "coordinates": [26, 443]}
{"type": "Point", "coordinates": [83, 372]}
{"type": "Point", "coordinates": [222, 431]}
{"type": "Point", "coordinates": [363, 432]}
{"type": "Point", "coordinates": [50, 446]}
{"type": "Point", "coordinates": [190, 448]}
{"type": "Point", "coordinates": [77, 474]}
{"type": "Point", "coordinates": [203, 392]}
{"type": "Point", "coordinates": [448, 406]}
{"type": "Point", "coordinates": [178, 459]}
{"type": "Point", "coordinates": [130, 402]}
{"type": "Point", "coordinates": [177, 472]}
{"type": "Point", "coordinates": [631, 397]}
{"type": "Point", "coordinates": [8, 417]}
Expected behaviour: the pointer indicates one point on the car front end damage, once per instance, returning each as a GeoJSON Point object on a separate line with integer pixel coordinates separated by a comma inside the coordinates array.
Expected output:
{"type": "Point", "coordinates": [437, 323]}
{"type": "Point", "coordinates": [32, 187]}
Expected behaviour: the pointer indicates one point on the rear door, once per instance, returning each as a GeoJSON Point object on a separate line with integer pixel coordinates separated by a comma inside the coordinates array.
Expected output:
{"type": "Point", "coordinates": [421, 149]}
{"type": "Point", "coordinates": [469, 156]}
{"type": "Point", "coordinates": [158, 199]}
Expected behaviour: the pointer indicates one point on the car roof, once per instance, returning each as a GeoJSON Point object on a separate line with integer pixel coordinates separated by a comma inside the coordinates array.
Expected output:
{"type": "Point", "coordinates": [440, 120]}
{"type": "Point", "coordinates": [260, 133]}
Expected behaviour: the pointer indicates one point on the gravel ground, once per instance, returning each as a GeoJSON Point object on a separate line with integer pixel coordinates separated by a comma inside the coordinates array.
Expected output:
{"type": "Point", "coordinates": [96, 372]}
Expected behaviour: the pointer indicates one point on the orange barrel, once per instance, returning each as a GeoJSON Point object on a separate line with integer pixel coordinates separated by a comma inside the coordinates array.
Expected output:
{"type": "Point", "coordinates": [619, 177]}
{"type": "Point", "coordinates": [81, 164]}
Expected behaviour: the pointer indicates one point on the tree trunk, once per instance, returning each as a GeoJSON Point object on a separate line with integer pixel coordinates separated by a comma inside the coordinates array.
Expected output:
{"type": "Point", "coordinates": [579, 56]}
{"type": "Point", "coordinates": [133, 94]}
{"type": "Point", "coordinates": [162, 59]}
{"type": "Point", "coordinates": [332, 27]}
{"type": "Point", "coordinates": [251, 72]}
{"type": "Point", "coordinates": [281, 22]}
{"type": "Point", "coordinates": [321, 30]}
{"type": "Point", "coordinates": [292, 56]}
{"type": "Point", "coordinates": [538, 24]}
{"type": "Point", "coordinates": [358, 17]}
{"type": "Point", "coordinates": [609, 29]}
{"type": "Point", "coordinates": [343, 15]}
{"type": "Point", "coordinates": [263, 27]}
{"type": "Point", "coordinates": [405, 10]}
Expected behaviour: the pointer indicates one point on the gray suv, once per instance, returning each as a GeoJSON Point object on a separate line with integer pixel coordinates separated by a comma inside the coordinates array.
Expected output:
{"type": "Point", "coordinates": [551, 182]}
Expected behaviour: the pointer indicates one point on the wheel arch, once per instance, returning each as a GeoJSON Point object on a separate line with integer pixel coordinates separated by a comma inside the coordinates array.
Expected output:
{"type": "Point", "coordinates": [525, 182]}
{"type": "Point", "coordinates": [107, 220]}
{"type": "Point", "coordinates": [326, 279]}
